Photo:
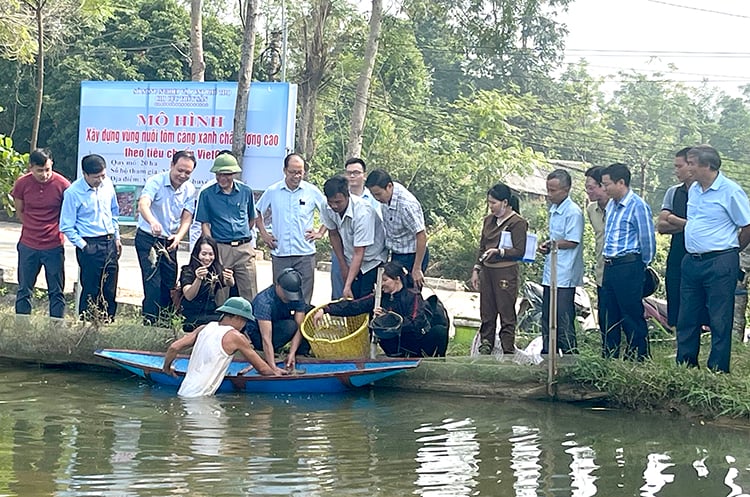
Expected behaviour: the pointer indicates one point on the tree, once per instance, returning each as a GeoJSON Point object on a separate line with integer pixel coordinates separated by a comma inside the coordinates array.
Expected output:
{"type": "Point", "coordinates": [354, 147]}
{"type": "Point", "coordinates": [243, 82]}
{"type": "Point", "coordinates": [198, 64]}
{"type": "Point", "coordinates": [315, 67]}
{"type": "Point", "coordinates": [53, 20]}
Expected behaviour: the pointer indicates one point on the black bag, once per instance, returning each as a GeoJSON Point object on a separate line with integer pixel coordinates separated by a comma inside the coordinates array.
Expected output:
{"type": "Point", "coordinates": [650, 281]}
{"type": "Point", "coordinates": [440, 323]}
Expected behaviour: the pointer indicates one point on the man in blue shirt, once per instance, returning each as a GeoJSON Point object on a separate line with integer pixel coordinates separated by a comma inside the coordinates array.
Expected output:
{"type": "Point", "coordinates": [89, 220]}
{"type": "Point", "coordinates": [289, 206]}
{"type": "Point", "coordinates": [629, 246]}
{"type": "Point", "coordinates": [566, 227]}
{"type": "Point", "coordinates": [226, 212]}
{"type": "Point", "coordinates": [279, 311]}
{"type": "Point", "coordinates": [166, 209]}
{"type": "Point", "coordinates": [717, 209]}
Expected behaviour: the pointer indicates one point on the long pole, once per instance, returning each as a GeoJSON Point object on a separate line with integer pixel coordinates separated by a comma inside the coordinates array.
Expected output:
{"type": "Point", "coordinates": [378, 297]}
{"type": "Point", "coordinates": [552, 348]}
{"type": "Point", "coordinates": [284, 31]}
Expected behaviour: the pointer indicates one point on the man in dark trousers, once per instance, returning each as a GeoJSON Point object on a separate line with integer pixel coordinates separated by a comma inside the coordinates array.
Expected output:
{"type": "Point", "coordinates": [279, 311]}
{"type": "Point", "coordinates": [37, 197]}
{"type": "Point", "coordinates": [672, 219]}
{"type": "Point", "coordinates": [629, 246]}
{"type": "Point", "coordinates": [717, 209]}
{"type": "Point", "coordinates": [89, 219]}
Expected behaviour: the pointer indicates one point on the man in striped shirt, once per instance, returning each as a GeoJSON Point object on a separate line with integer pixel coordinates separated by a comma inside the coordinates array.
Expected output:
{"type": "Point", "coordinates": [629, 246]}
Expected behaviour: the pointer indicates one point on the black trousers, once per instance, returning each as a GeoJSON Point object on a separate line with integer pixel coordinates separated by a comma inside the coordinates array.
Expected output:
{"type": "Point", "coordinates": [707, 289]}
{"type": "Point", "coordinates": [282, 332]}
{"type": "Point", "coordinates": [158, 273]}
{"type": "Point", "coordinates": [621, 300]}
{"type": "Point", "coordinates": [566, 313]}
{"type": "Point", "coordinates": [672, 279]}
{"type": "Point", "coordinates": [99, 268]}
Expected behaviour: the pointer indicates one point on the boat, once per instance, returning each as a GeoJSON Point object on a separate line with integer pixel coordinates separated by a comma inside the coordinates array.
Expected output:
{"type": "Point", "coordinates": [310, 376]}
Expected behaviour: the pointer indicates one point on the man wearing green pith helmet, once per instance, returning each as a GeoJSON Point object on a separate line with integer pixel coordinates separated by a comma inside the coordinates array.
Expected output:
{"type": "Point", "coordinates": [226, 212]}
{"type": "Point", "coordinates": [214, 344]}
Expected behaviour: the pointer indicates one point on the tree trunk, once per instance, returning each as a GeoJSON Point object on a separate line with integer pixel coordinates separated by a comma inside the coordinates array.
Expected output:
{"type": "Point", "coordinates": [312, 75]}
{"type": "Point", "coordinates": [243, 83]}
{"type": "Point", "coordinates": [354, 147]}
{"type": "Point", "coordinates": [197, 63]}
{"type": "Point", "coordinates": [39, 76]}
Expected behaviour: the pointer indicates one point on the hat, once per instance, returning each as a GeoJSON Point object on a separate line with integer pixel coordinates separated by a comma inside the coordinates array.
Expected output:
{"type": "Point", "coordinates": [387, 325]}
{"type": "Point", "coordinates": [237, 306]}
{"type": "Point", "coordinates": [290, 282]}
{"type": "Point", "coordinates": [225, 163]}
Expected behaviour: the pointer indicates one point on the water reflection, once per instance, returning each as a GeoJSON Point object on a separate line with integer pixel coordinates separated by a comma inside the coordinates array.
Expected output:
{"type": "Point", "coordinates": [77, 434]}
{"type": "Point", "coordinates": [447, 459]}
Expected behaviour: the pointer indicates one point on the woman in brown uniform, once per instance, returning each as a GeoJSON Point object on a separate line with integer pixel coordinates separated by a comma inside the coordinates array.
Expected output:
{"type": "Point", "coordinates": [495, 273]}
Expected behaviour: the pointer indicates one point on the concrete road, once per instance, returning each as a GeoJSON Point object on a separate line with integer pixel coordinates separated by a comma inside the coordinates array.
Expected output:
{"type": "Point", "coordinates": [459, 304]}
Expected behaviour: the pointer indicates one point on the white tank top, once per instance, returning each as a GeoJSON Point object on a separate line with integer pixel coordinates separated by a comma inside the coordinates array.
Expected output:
{"type": "Point", "coordinates": [208, 362]}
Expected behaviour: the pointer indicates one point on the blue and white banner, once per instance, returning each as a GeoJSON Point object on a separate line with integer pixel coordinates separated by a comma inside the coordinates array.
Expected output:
{"type": "Point", "coordinates": [137, 126]}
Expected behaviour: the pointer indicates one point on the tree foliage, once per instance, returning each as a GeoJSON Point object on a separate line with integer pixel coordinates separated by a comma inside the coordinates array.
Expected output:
{"type": "Point", "coordinates": [463, 93]}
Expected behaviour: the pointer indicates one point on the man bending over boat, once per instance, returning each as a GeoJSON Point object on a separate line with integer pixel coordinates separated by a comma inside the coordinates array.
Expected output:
{"type": "Point", "coordinates": [214, 345]}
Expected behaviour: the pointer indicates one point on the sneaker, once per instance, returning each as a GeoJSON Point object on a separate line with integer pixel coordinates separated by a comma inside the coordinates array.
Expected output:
{"type": "Point", "coordinates": [485, 348]}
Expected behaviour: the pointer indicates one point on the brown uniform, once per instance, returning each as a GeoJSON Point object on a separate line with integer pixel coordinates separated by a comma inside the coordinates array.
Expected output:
{"type": "Point", "coordinates": [498, 280]}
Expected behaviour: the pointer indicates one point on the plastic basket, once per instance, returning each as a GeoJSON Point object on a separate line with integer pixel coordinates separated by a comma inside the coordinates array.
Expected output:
{"type": "Point", "coordinates": [337, 337]}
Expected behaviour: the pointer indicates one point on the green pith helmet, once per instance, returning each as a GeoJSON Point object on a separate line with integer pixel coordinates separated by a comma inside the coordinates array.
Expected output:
{"type": "Point", "coordinates": [226, 164]}
{"type": "Point", "coordinates": [237, 306]}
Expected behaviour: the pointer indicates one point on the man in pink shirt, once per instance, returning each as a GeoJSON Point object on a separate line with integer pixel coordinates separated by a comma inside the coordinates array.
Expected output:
{"type": "Point", "coordinates": [37, 196]}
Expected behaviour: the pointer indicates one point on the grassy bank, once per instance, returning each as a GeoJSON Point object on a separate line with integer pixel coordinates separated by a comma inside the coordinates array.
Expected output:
{"type": "Point", "coordinates": [658, 384]}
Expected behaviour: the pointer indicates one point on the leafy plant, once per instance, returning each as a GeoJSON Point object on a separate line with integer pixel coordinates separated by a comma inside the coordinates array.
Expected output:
{"type": "Point", "coordinates": [12, 165]}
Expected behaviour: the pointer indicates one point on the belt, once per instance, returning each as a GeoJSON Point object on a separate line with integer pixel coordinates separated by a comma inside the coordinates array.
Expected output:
{"type": "Point", "coordinates": [236, 243]}
{"type": "Point", "coordinates": [98, 238]}
{"type": "Point", "coordinates": [623, 259]}
{"type": "Point", "coordinates": [710, 255]}
{"type": "Point", "coordinates": [146, 233]}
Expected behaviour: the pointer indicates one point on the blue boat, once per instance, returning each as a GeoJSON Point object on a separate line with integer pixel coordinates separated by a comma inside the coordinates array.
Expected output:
{"type": "Point", "coordinates": [311, 376]}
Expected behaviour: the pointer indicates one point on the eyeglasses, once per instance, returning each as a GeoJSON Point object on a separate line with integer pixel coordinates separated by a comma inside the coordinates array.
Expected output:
{"type": "Point", "coordinates": [354, 173]}
{"type": "Point", "coordinates": [295, 173]}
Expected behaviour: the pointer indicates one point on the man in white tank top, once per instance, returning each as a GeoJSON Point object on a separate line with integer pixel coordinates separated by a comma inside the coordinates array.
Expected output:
{"type": "Point", "coordinates": [214, 345]}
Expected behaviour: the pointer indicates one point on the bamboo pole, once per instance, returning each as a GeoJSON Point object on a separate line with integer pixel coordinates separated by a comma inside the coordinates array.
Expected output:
{"type": "Point", "coordinates": [378, 297]}
{"type": "Point", "coordinates": [552, 348]}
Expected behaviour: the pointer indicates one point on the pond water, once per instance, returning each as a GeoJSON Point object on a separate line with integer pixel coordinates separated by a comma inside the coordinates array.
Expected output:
{"type": "Point", "coordinates": [86, 433]}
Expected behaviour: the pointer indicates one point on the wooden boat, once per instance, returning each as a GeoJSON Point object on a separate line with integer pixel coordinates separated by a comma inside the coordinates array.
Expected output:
{"type": "Point", "coordinates": [311, 376]}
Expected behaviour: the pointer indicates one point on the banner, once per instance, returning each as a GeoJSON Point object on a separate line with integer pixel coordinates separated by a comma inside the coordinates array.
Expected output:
{"type": "Point", "coordinates": [137, 127]}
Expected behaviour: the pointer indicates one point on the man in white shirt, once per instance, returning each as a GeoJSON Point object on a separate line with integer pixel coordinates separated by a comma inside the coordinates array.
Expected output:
{"type": "Point", "coordinates": [357, 237]}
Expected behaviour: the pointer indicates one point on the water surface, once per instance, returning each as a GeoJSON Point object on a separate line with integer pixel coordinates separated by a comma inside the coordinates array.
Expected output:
{"type": "Point", "coordinates": [83, 433]}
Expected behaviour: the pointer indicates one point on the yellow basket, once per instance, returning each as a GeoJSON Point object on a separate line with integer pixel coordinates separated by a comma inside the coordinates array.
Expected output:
{"type": "Point", "coordinates": [337, 337]}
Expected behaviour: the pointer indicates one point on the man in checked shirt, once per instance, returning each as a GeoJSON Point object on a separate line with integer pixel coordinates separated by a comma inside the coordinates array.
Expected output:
{"type": "Point", "coordinates": [405, 234]}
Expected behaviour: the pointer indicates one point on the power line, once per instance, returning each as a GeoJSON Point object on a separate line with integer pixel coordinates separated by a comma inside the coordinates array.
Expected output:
{"type": "Point", "coordinates": [700, 9]}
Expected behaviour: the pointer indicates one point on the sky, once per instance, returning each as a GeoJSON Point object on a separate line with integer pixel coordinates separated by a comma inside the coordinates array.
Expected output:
{"type": "Point", "coordinates": [704, 40]}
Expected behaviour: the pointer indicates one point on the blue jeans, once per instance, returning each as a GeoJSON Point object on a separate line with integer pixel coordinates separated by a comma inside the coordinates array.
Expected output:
{"type": "Point", "coordinates": [30, 262]}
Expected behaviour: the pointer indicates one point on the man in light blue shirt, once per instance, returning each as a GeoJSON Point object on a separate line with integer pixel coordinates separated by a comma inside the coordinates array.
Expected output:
{"type": "Point", "coordinates": [89, 219]}
{"type": "Point", "coordinates": [565, 227]}
{"type": "Point", "coordinates": [166, 209]}
{"type": "Point", "coordinates": [629, 246]}
{"type": "Point", "coordinates": [357, 237]}
{"type": "Point", "coordinates": [717, 209]}
{"type": "Point", "coordinates": [290, 204]}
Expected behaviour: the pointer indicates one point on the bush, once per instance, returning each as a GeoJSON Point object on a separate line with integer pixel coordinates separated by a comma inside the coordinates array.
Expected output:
{"type": "Point", "coordinates": [12, 165]}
